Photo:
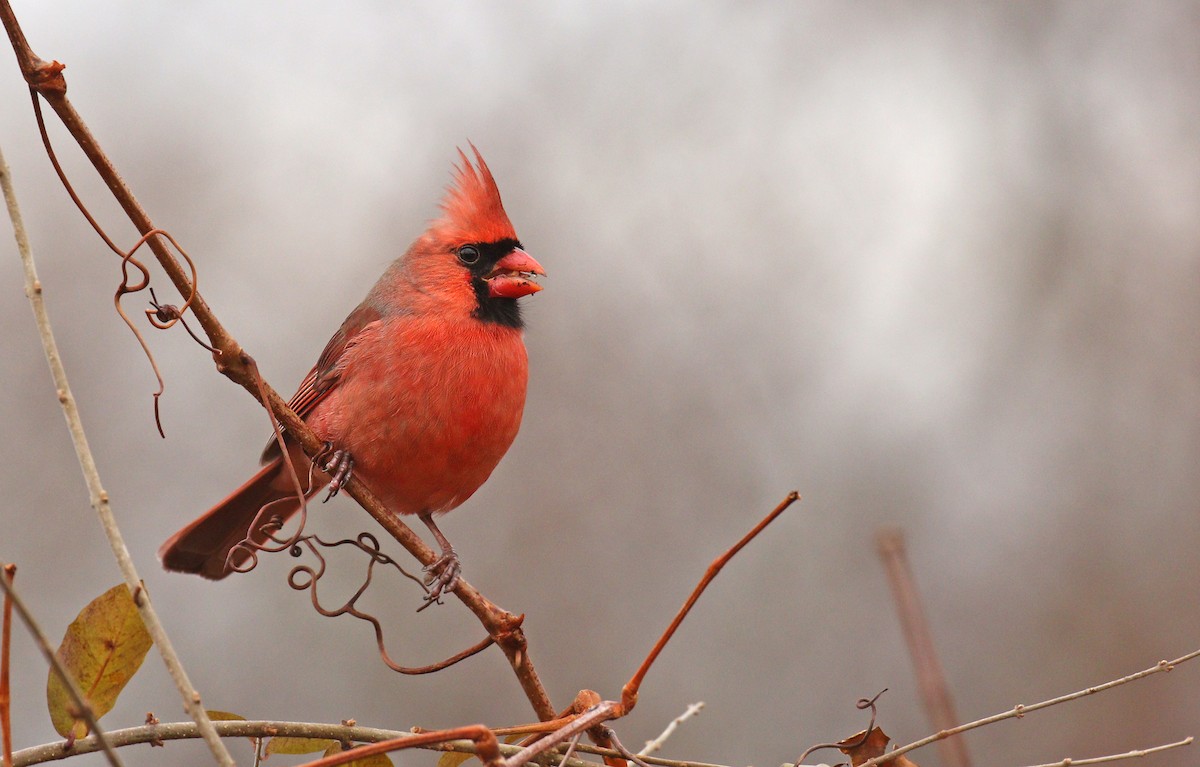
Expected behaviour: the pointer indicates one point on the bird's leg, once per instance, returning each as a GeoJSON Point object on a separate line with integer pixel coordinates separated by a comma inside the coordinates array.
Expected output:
{"type": "Point", "coordinates": [339, 465]}
{"type": "Point", "coordinates": [443, 574]}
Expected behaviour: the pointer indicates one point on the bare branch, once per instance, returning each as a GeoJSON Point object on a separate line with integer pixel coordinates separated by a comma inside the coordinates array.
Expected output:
{"type": "Point", "coordinates": [1020, 710]}
{"type": "Point", "coordinates": [1118, 757]}
{"type": "Point", "coordinates": [91, 476]}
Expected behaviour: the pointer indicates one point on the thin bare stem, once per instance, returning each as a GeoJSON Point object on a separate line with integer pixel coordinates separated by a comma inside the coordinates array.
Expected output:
{"type": "Point", "coordinates": [77, 699]}
{"type": "Point", "coordinates": [487, 748]}
{"type": "Point", "coordinates": [654, 745]}
{"type": "Point", "coordinates": [1020, 710]}
{"type": "Point", "coordinates": [566, 757]}
{"type": "Point", "coordinates": [45, 78]}
{"type": "Point", "coordinates": [91, 476]}
{"type": "Point", "coordinates": [630, 692]}
{"type": "Point", "coordinates": [931, 678]}
{"type": "Point", "coordinates": [1118, 757]}
{"type": "Point", "coordinates": [10, 572]}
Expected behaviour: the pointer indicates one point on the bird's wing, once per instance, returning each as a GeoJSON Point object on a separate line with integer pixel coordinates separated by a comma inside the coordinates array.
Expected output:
{"type": "Point", "coordinates": [327, 372]}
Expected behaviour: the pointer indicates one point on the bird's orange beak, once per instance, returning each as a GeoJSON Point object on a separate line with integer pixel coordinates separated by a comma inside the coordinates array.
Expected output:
{"type": "Point", "coordinates": [512, 277]}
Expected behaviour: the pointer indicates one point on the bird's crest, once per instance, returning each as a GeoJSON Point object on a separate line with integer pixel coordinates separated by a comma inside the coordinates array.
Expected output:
{"type": "Point", "coordinates": [472, 211]}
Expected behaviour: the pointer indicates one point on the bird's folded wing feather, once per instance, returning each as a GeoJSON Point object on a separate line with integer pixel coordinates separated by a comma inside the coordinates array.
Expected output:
{"type": "Point", "coordinates": [325, 374]}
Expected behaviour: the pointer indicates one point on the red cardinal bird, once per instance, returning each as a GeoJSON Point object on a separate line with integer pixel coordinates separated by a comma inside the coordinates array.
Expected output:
{"type": "Point", "coordinates": [419, 393]}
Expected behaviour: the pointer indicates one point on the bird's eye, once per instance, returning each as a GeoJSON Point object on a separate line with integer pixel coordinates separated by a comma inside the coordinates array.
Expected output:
{"type": "Point", "coordinates": [468, 254]}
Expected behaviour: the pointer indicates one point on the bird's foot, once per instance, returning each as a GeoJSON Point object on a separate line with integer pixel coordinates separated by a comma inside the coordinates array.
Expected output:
{"type": "Point", "coordinates": [442, 577]}
{"type": "Point", "coordinates": [339, 465]}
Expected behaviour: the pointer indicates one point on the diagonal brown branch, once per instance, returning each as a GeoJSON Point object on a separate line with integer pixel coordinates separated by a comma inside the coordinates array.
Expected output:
{"type": "Point", "coordinates": [931, 679]}
{"type": "Point", "coordinates": [46, 80]}
{"type": "Point", "coordinates": [629, 694]}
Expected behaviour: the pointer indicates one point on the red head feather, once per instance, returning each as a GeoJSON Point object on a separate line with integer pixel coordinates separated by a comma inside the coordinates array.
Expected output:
{"type": "Point", "coordinates": [472, 208]}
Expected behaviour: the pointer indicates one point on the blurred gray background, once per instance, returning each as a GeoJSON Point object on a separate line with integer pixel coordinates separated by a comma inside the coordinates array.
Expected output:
{"type": "Point", "coordinates": [934, 266]}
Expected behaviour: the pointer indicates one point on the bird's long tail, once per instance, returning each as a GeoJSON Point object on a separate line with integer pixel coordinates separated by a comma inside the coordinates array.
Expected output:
{"type": "Point", "coordinates": [203, 547]}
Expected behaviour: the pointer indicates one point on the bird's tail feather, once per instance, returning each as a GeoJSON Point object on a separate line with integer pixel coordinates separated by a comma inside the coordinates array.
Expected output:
{"type": "Point", "coordinates": [203, 546]}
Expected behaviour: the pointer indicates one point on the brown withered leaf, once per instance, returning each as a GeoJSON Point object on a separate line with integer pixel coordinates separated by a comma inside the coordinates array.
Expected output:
{"type": "Point", "coordinates": [103, 648]}
{"type": "Point", "coordinates": [289, 745]}
{"type": "Point", "coordinates": [874, 745]}
{"type": "Point", "coordinates": [378, 760]}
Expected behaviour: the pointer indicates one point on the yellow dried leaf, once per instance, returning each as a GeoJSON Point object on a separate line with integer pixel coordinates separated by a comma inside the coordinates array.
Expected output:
{"type": "Point", "coordinates": [103, 648]}
{"type": "Point", "coordinates": [453, 759]}
{"type": "Point", "coordinates": [289, 745]}
{"type": "Point", "coordinates": [378, 760]}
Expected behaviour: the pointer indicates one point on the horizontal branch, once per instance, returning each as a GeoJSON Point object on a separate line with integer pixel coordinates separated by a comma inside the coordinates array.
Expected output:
{"type": "Point", "coordinates": [1136, 754]}
{"type": "Point", "coordinates": [152, 733]}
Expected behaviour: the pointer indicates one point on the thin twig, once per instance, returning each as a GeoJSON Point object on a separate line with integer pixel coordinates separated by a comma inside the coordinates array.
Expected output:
{"type": "Point", "coordinates": [1118, 757]}
{"type": "Point", "coordinates": [10, 572]}
{"type": "Point", "coordinates": [487, 748]}
{"type": "Point", "coordinates": [629, 693]}
{"type": "Point", "coordinates": [566, 757]}
{"type": "Point", "coordinates": [1021, 710]}
{"type": "Point", "coordinates": [46, 79]}
{"type": "Point", "coordinates": [654, 745]}
{"type": "Point", "coordinates": [931, 678]}
{"type": "Point", "coordinates": [91, 476]}
{"type": "Point", "coordinates": [77, 699]}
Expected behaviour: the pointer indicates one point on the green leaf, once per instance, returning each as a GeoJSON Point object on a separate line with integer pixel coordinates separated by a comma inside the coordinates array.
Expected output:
{"type": "Point", "coordinates": [103, 648]}
{"type": "Point", "coordinates": [289, 745]}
